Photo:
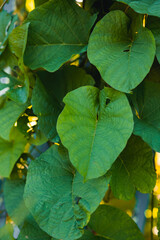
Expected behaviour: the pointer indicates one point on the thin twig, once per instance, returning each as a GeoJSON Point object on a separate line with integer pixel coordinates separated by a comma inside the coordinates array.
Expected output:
{"type": "Point", "coordinates": [1, 7]}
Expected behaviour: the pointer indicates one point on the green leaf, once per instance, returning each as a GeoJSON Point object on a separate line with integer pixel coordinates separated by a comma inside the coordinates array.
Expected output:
{"type": "Point", "coordinates": [31, 231]}
{"type": "Point", "coordinates": [39, 2]}
{"type": "Point", "coordinates": [54, 40]}
{"type": "Point", "coordinates": [18, 88]}
{"type": "Point", "coordinates": [114, 224]}
{"type": "Point", "coordinates": [153, 23]}
{"type": "Point", "coordinates": [149, 7]}
{"type": "Point", "coordinates": [49, 92]}
{"type": "Point", "coordinates": [17, 40]}
{"type": "Point", "coordinates": [89, 236]}
{"type": "Point", "coordinates": [6, 26]}
{"type": "Point", "coordinates": [118, 51]}
{"type": "Point", "coordinates": [146, 101]}
{"type": "Point", "coordinates": [6, 233]}
{"type": "Point", "coordinates": [58, 198]}
{"type": "Point", "coordinates": [10, 151]}
{"type": "Point", "coordinates": [14, 203]}
{"type": "Point", "coordinates": [133, 170]}
{"type": "Point", "coordinates": [9, 114]}
{"type": "Point", "coordinates": [94, 126]}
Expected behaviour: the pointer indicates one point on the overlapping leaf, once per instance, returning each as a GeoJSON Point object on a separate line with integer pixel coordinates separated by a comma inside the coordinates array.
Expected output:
{"type": "Point", "coordinates": [153, 23]}
{"type": "Point", "coordinates": [112, 223]}
{"type": "Point", "coordinates": [146, 102]}
{"type": "Point", "coordinates": [6, 26]}
{"type": "Point", "coordinates": [6, 233]}
{"type": "Point", "coordinates": [133, 170]}
{"type": "Point", "coordinates": [58, 198]}
{"type": "Point", "coordinates": [14, 203]}
{"type": "Point", "coordinates": [149, 7]}
{"type": "Point", "coordinates": [94, 126]}
{"type": "Point", "coordinates": [63, 32]}
{"type": "Point", "coordinates": [10, 151]}
{"type": "Point", "coordinates": [16, 89]}
{"type": "Point", "coordinates": [49, 92]}
{"type": "Point", "coordinates": [118, 52]}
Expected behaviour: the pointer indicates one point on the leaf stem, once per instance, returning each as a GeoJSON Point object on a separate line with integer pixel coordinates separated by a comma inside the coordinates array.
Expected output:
{"type": "Point", "coordinates": [1, 7]}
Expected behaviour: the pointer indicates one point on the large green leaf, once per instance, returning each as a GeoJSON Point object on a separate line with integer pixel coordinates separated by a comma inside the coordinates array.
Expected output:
{"type": "Point", "coordinates": [94, 126]}
{"type": "Point", "coordinates": [153, 23]}
{"type": "Point", "coordinates": [6, 26]}
{"type": "Point", "coordinates": [49, 92]}
{"type": "Point", "coordinates": [150, 7]}
{"type": "Point", "coordinates": [118, 51]}
{"type": "Point", "coordinates": [6, 233]}
{"type": "Point", "coordinates": [10, 151]}
{"type": "Point", "coordinates": [14, 203]}
{"type": "Point", "coordinates": [63, 32]}
{"type": "Point", "coordinates": [112, 223]}
{"type": "Point", "coordinates": [89, 236]}
{"type": "Point", "coordinates": [17, 88]}
{"type": "Point", "coordinates": [9, 114]}
{"type": "Point", "coordinates": [133, 170]}
{"type": "Point", "coordinates": [146, 102]}
{"type": "Point", "coordinates": [58, 198]}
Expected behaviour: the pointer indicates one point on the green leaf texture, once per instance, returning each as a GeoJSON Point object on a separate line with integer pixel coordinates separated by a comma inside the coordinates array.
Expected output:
{"type": "Point", "coordinates": [10, 151]}
{"type": "Point", "coordinates": [49, 92]}
{"type": "Point", "coordinates": [133, 170]}
{"type": "Point", "coordinates": [114, 224]}
{"type": "Point", "coordinates": [94, 126]}
{"type": "Point", "coordinates": [118, 52]}
{"type": "Point", "coordinates": [146, 104]}
{"type": "Point", "coordinates": [58, 198]}
{"type": "Point", "coordinates": [63, 32]}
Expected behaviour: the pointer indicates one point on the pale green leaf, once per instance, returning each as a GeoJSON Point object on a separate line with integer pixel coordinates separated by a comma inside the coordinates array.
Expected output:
{"type": "Point", "coordinates": [6, 233]}
{"type": "Point", "coordinates": [118, 53]}
{"type": "Point", "coordinates": [63, 32]}
{"type": "Point", "coordinates": [95, 126]}
{"type": "Point", "coordinates": [14, 203]}
{"type": "Point", "coordinates": [9, 114]}
{"type": "Point", "coordinates": [146, 102]}
{"type": "Point", "coordinates": [10, 151]}
{"type": "Point", "coordinates": [133, 170]}
{"type": "Point", "coordinates": [150, 7]}
{"type": "Point", "coordinates": [114, 224]}
{"type": "Point", "coordinates": [58, 198]}
{"type": "Point", "coordinates": [49, 92]}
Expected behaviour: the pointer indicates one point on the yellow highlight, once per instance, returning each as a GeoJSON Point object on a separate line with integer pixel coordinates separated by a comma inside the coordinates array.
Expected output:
{"type": "Point", "coordinates": [148, 213]}
{"type": "Point", "coordinates": [30, 5]}
{"type": "Point", "coordinates": [155, 212]}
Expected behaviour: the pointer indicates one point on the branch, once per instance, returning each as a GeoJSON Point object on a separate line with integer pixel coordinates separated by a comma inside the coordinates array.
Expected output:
{"type": "Point", "coordinates": [1, 7]}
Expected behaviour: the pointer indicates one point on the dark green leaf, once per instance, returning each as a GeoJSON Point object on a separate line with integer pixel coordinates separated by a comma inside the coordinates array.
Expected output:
{"type": "Point", "coordinates": [63, 32]}
{"type": "Point", "coordinates": [118, 52]}
{"type": "Point", "coordinates": [95, 126]}
{"type": "Point", "coordinates": [114, 224]}
{"type": "Point", "coordinates": [133, 170]}
{"type": "Point", "coordinates": [153, 23]}
{"type": "Point", "coordinates": [146, 101]}
{"type": "Point", "coordinates": [58, 198]}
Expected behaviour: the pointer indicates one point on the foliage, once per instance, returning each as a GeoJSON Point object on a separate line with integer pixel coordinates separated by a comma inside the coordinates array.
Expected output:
{"type": "Point", "coordinates": [86, 81]}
